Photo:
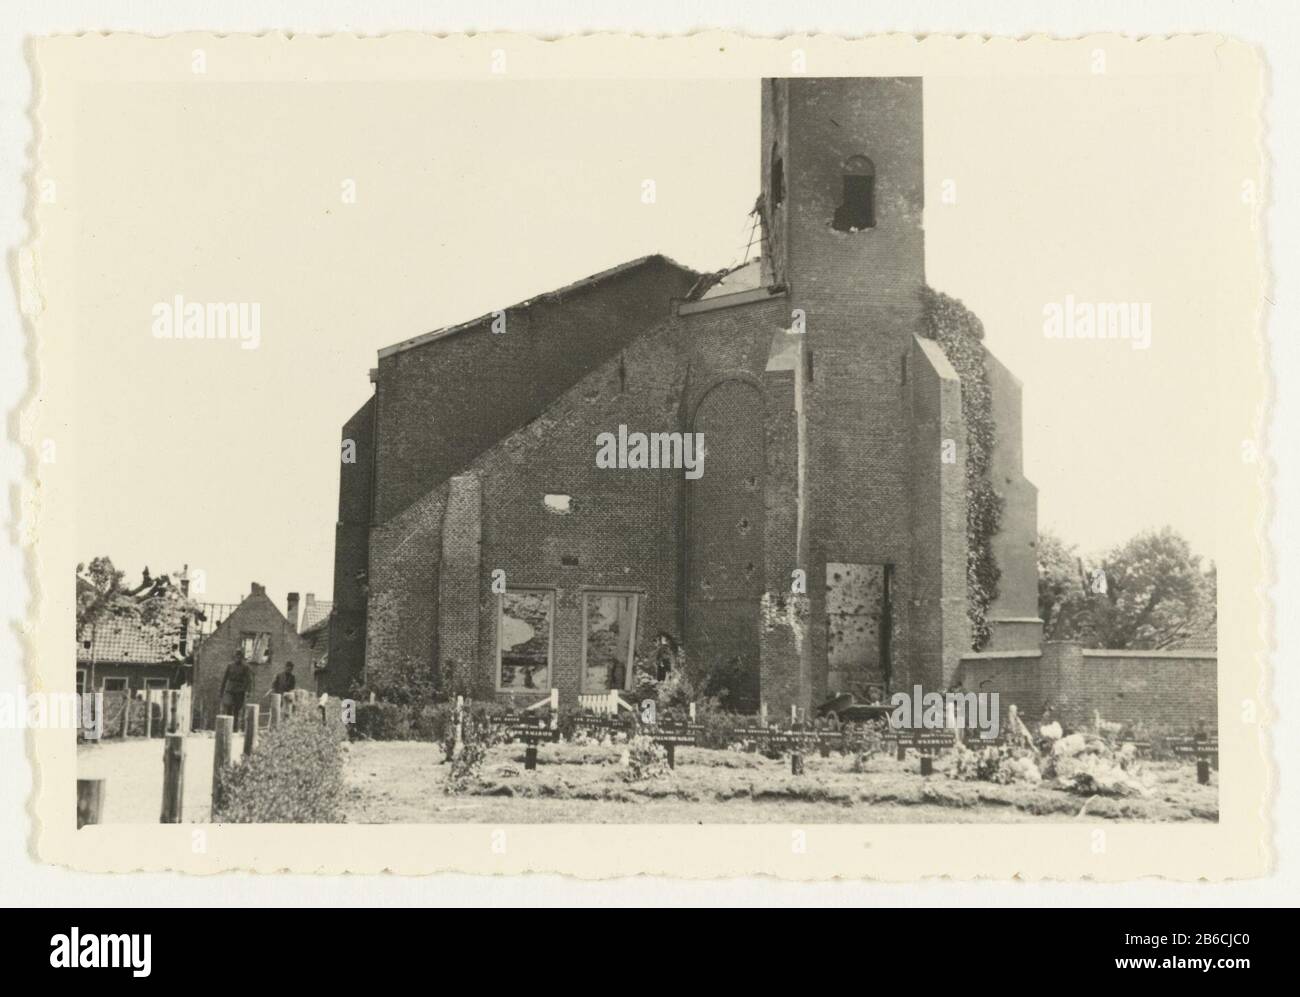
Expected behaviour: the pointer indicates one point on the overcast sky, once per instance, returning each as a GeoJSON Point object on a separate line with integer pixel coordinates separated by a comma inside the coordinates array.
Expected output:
{"type": "Point", "coordinates": [471, 197]}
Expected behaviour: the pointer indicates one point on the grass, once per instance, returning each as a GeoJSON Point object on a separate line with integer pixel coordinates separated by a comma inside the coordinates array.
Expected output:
{"type": "Point", "coordinates": [404, 782]}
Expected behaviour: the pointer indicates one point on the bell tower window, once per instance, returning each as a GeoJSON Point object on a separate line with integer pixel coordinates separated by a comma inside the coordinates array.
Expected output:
{"type": "Point", "coordinates": [857, 210]}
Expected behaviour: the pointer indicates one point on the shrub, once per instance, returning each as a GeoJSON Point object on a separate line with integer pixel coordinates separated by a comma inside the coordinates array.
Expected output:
{"type": "Point", "coordinates": [381, 722]}
{"type": "Point", "coordinates": [1000, 763]}
{"type": "Point", "coordinates": [294, 777]}
{"type": "Point", "coordinates": [645, 760]}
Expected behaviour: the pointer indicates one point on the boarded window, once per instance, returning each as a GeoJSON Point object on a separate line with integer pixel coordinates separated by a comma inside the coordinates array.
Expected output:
{"type": "Point", "coordinates": [256, 647]}
{"type": "Point", "coordinates": [858, 627]}
{"type": "Point", "coordinates": [114, 685]}
{"type": "Point", "coordinates": [609, 637]}
{"type": "Point", "coordinates": [524, 639]}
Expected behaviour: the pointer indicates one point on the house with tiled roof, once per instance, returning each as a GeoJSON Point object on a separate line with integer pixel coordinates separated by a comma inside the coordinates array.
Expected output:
{"type": "Point", "coordinates": [129, 649]}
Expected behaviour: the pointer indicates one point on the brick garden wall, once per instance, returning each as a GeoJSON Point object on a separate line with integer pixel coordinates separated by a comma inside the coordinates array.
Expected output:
{"type": "Point", "coordinates": [1174, 690]}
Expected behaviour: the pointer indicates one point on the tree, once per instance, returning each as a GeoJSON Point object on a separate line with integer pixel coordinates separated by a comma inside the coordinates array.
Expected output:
{"type": "Point", "coordinates": [158, 602]}
{"type": "Point", "coordinates": [99, 591]}
{"type": "Point", "coordinates": [1146, 594]}
{"type": "Point", "coordinates": [1059, 586]}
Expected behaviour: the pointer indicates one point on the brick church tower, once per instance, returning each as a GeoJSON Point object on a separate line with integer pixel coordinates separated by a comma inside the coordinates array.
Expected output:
{"type": "Point", "coordinates": [883, 529]}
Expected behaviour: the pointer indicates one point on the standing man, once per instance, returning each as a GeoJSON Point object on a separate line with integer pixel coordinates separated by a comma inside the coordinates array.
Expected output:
{"type": "Point", "coordinates": [285, 682]}
{"type": "Point", "coordinates": [234, 688]}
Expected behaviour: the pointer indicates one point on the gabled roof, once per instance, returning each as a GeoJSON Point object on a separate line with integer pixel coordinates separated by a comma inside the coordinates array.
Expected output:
{"type": "Point", "coordinates": [577, 286]}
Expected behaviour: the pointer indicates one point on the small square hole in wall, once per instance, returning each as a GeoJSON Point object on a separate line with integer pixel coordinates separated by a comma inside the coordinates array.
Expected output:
{"type": "Point", "coordinates": [561, 505]}
{"type": "Point", "coordinates": [569, 561]}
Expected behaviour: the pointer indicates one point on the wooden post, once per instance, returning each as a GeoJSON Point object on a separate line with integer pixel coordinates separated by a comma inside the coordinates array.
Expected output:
{"type": "Point", "coordinates": [99, 713]}
{"type": "Point", "coordinates": [762, 713]}
{"type": "Point", "coordinates": [927, 762]}
{"type": "Point", "coordinates": [672, 755]}
{"type": "Point", "coordinates": [1203, 771]}
{"type": "Point", "coordinates": [148, 714]}
{"type": "Point", "coordinates": [796, 762]}
{"type": "Point", "coordinates": [460, 731]}
{"type": "Point", "coordinates": [250, 729]}
{"type": "Point", "coordinates": [90, 801]}
{"type": "Point", "coordinates": [692, 711]}
{"type": "Point", "coordinates": [275, 709]}
{"type": "Point", "coordinates": [530, 756]}
{"type": "Point", "coordinates": [173, 778]}
{"type": "Point", "coordinates": [555, 708]}
{"type": "Point", "coordinates": [126, 714]}
{"type": "Point", "coordinates": [794, 714]}
{"type": "Point", "coordinates": [168, 712]}
{"type": "Point", "coordinates": [224, 730]}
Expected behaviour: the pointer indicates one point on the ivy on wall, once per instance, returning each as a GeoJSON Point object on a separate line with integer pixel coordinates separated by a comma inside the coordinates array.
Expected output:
{"type": "Point", "coordinates": [960, 335]}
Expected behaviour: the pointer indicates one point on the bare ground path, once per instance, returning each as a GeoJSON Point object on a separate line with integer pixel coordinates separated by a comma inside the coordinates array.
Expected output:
{"type": "Point", "coordinates": [133, 774]}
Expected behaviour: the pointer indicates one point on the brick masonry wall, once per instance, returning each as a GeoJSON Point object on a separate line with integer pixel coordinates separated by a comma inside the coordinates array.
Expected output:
{"type": "Point", "coordinates": [256, 614]}
{"type": "Point", "coordinates": [403, 593]}
{"type": "Point", "coordinates": [1015, 544]}
{"type": "Point", "coordinates": [1016, 676]}
{"type": "Point", "coordinates": [860, 293]}
{"type": "Point", "coordinates": [443, 403]}
{"type": "Point", "coordinates": [936, 609]}
{"type": "Point", "coordinates": [1170, 690]}
{"type": "Point", "coordinates": [623, 533]}
{"type": "Point", "coordinates": [1162, 689]}
{"type": "Point", "coordinates": [347, 637]}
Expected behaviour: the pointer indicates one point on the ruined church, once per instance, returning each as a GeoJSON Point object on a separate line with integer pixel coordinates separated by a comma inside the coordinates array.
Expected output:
{"type": "Point", "coordinates": [822, 547]}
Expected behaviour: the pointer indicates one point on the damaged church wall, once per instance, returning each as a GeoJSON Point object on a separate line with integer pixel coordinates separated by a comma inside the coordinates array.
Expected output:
{"type": "Point", "coordinates": [621, 531]}
{"type": "Point", "coordinates": [347, 650]}
{"type": "Point", "coordinates": [734, 567]}
{"type": "Point", "coordinates": [937, 609]}
{"type": "Point", "coordinates": [445, 401]}
{"type": "Point", "coordinates": [403, 594]}
{"type": "Point", "coordinates": [1013, 615]}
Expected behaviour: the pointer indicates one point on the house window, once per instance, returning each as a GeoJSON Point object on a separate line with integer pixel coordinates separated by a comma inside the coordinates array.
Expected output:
{"type": "Point", "coordinates": [857, 210]}
{"type": "Point", "coordinates": [114, 684]}
{"type": "Point", "coordinates": [256, 647]}
{"type": "Point", "coordinates": [609, 638]}
{"type": "Point", "coordinates": [155, 683]}
{"type": "Point", "coordinates": [524, 639]}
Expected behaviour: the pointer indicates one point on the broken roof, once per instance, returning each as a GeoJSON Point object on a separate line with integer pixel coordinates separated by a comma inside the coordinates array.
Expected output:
{"type": "Point", "coordinates": [555, 295]}
{"type": "Point", "coordinates": [126, 639]}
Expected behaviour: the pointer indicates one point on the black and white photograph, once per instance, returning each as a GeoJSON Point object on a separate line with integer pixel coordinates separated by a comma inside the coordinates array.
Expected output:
{"type": "Point", "coordinates": [808, 457]}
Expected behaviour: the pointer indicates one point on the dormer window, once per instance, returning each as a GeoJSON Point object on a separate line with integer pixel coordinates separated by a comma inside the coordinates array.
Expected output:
{"type": "Point", "coordinates": [857, 210]}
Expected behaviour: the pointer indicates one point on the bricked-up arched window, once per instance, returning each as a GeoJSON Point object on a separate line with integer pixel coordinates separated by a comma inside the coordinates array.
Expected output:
{"type": "Point", "coordinates": [857, 210]}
